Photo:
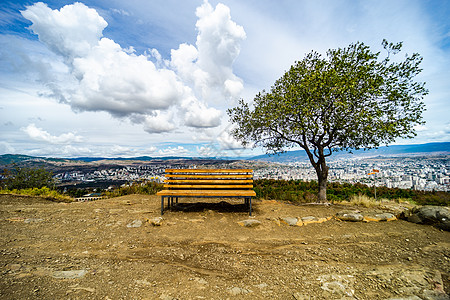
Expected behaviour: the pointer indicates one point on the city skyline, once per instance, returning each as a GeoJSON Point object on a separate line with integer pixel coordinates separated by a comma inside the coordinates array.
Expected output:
{"type": "Point", "coordinates": [135, 79]}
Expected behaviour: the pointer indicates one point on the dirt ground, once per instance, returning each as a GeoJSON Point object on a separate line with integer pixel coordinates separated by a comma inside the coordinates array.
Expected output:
{"type": "Point", "coordinates": [107, 249]}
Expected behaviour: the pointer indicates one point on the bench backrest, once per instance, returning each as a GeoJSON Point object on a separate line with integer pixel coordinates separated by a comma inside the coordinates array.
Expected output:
{"type": "Point", "coordinates": [209, 179]}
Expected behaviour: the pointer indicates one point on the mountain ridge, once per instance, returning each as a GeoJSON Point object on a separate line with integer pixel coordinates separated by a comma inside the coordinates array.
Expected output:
{"type": "Point", "coordinates": [289, 156]}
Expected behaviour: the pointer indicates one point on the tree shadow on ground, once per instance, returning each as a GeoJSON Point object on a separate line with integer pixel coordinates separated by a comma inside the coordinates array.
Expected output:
{"type": "Point", "coordinates": [221, 206]}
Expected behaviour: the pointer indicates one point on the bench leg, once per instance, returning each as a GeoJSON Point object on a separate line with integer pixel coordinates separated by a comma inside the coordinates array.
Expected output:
{"type": "Point", "coordinates": [162, 205]}
{"type": "Point", "coordinates": [250, 206]}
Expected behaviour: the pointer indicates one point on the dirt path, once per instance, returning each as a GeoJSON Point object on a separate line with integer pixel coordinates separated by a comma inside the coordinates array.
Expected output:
{"type": "Point", "coordinates": [99, 250]}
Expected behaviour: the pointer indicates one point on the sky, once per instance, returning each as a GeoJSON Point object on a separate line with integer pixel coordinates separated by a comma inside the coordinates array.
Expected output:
{"type": "Point", "coordinates": [155, 78]}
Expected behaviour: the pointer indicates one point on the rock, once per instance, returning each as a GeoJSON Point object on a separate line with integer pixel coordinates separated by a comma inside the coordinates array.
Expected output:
{"type": "Point", "coordinates": [249, 223]}
{"type": "Point", "coordinates": [166, 297]}
{"type": "Point", "coordinates": [298, 296]}
{"type": "Point", "coordinates": [352, 216]}
{"type": "Point", "coordinates": [73, 274]}
{"type": "Point", "coordinates": [156, 221]}
{"type": "Point", "coordinates": [292, 221]}
{"type": "Point", "coordinates": [239, 291]}
{"type": "Point", "coordinates": [438, 216]}
{"type": "Point", "coordinates": [276, 221]}
{"type": "Point", "coordinates": [337, 286]}
{"type": "Point", "coordinates": [200, 280]}
{"type": "Point", "coordinates": [407, 298]}
{"type": "Point", "coordinates": [414, 219]}
{"type": "Point", "coordinates": [91, 290]}
{"type": "Point", "coordinates": [33, 220]}
{"type": "Point", "coordinates": [135, 224]}
{"type": "Point", "coordinates": [379, 217]}
{"type": "Point", "coordinates": [434, 295]}
{"type": "Point", "coordinates": [311, 219]}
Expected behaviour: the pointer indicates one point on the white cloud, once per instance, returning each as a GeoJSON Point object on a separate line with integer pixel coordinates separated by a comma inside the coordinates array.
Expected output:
{"type": "Point", "coordinates": [159, 123]}
{"type": "Point", "coordinates": [173, 151]}
{"type": "Point", "coordinates": [103, 76]}
{"type": "Point", "coordinates": [206, 151]}
{"type": "Point", "coordinates": [121, 84]}
{"type": "Point", "coordinates": [228, 142]}
{"type": "Point", "coordinates": [199, 115]}
{"type": "Point", "coordinates": [39, 134]}
{"type": "Point", "coordinates": [209, 65]}
{"type": "Point", "coordinates": [71, 31]}
{"type": "Point", "coordinates": [6, 148]}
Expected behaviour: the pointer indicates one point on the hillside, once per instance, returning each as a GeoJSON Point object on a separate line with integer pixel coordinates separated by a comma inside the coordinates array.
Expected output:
{"type": "Point", "coordinates": [299, 155]}
{"type": "Point", "coordinates": [107, 249]}
{"type": "Point", "coordinates": [394, 150]}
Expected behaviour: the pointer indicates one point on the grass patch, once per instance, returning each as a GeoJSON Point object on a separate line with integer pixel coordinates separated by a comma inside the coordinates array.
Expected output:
{"type": "Point", "coordinates": [43, 192]}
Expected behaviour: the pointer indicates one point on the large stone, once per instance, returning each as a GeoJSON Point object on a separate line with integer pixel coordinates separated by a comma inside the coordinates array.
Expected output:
{"type": "Point", "coordinates": [249, 223]}
{"type": "Point", "coordinates": [438, 216]}
{"type": "Point", "coordinates": [352, 216]}
{"type": "Point", "coordinates": [135, 224]}
{"type": "Point", "coordinates": [157, 221]}
{"type": "Point", "coordinates": [311, 219]}
{"type": "Point", "coordinates": [73, 274]}
{"type": "Point", "coordinates": [291, 221]}
{"type": "Point", "coordinates": [239, 291]}
{"type": "Point", "coordinates": [379, 217]}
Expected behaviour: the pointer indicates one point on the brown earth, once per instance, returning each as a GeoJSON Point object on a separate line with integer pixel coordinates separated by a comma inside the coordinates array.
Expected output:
{"type": "Point", "coordinates": [86, 251]}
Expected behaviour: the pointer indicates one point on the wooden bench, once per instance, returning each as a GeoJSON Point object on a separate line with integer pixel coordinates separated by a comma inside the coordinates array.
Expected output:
{"type": "Point", "coordinates": [212, 183]}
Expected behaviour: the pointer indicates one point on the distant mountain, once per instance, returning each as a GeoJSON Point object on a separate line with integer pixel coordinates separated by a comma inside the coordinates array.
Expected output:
{"type": "Point", "coordinates": [300, 155]}
{"type": "Point", "coordinates": [290, 156]}
{"type": "Point", "coordinates": [22, 160]}
{"type": "Point", "coordinates": [139, 158]}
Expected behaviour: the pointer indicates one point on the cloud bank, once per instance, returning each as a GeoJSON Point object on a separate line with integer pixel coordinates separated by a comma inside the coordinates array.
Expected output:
{"type": "Point", "coordinates": [161, 95]}
{"type": "Point", "coordinates": [38, 134]}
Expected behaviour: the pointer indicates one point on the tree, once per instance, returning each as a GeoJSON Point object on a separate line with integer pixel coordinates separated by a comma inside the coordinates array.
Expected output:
{"type": "Point", "coordinates": [24, 178]}
{"type": "Point", "coordinates": [345, 101]}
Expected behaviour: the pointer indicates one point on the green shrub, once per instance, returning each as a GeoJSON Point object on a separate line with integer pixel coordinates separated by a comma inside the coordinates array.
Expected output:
{"type": "Point", "coordinates": [305, 192]}
{"type": "Point", "coordinates": [147, 188]}
{"type": "Point", "coordinates": [43, 192]}
{"type": "Point", "coordinates": [27, 178]}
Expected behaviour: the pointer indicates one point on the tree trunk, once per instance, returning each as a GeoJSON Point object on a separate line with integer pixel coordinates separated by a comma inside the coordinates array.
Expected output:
{"type": "Point", "coordinates": [322, 175]}
{"type": "Point", "coordinates": [321, 170]}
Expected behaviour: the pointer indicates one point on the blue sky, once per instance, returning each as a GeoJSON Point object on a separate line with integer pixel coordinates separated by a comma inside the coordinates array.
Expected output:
{"type": "Point", "coordinates": [131, 78]}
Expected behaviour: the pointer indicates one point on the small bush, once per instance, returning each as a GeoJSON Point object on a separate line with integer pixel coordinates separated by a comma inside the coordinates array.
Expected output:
{"type": "Point", "coordinates": [43, 192]}
{"type": "Point", "coordinates": [148, 188]}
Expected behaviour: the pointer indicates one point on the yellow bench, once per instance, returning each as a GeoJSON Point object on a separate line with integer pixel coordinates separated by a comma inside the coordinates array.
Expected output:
{"type": "Point", "coordinates": [212, 183]}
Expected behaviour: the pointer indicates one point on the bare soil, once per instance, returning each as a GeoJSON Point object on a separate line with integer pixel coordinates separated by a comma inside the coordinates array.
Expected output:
{"type": "Point", "coordinates": [86, 250]}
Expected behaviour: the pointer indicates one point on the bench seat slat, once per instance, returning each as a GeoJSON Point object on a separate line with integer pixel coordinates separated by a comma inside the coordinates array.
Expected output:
{"type": "Point", "coordinates": [224, 181]}
{"type": "Point", "coordinates": [208, 186]}
{"type": "Point", "coordinates": [227, 176]}
{"type": "Point", "coordinates": [212, 193]}
{"type": "Point", "coordinates": [209, 171]}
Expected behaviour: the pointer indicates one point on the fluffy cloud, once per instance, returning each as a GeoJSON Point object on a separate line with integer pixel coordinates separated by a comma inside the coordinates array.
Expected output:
{"type": "Point", "coordinates": [228, 142]}
{"type": "Point", "coordinates": [197, 114]}
{"type": "Point", "coordinates": [206, 151]}
{"type": "Point", "coordinates": [173, 151]}
{"type": "Point", "coordinates": [159, 123]}
{"type": "Point", "coordinates": [209, 65]}
{"type": "Point", "coordinates": [71, 32]}
{"type": "Point", "coordinates": [106, 77]}
{"type": "Point", "coordinates": [39, 134]}
{"type": "Point", "coordinates": [114, 81]}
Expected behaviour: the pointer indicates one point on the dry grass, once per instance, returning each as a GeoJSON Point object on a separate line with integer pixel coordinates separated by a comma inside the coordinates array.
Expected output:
{"type": "Point", "coordinates": [365, 201]}
{"type": "Point", "coordinates": [369, 202]}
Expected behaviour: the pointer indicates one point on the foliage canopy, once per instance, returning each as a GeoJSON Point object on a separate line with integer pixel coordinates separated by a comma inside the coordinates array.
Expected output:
{"type": "Point", "coordinates": [27, 178]}
{"type": "Point", "coordinates": [349, 99]}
